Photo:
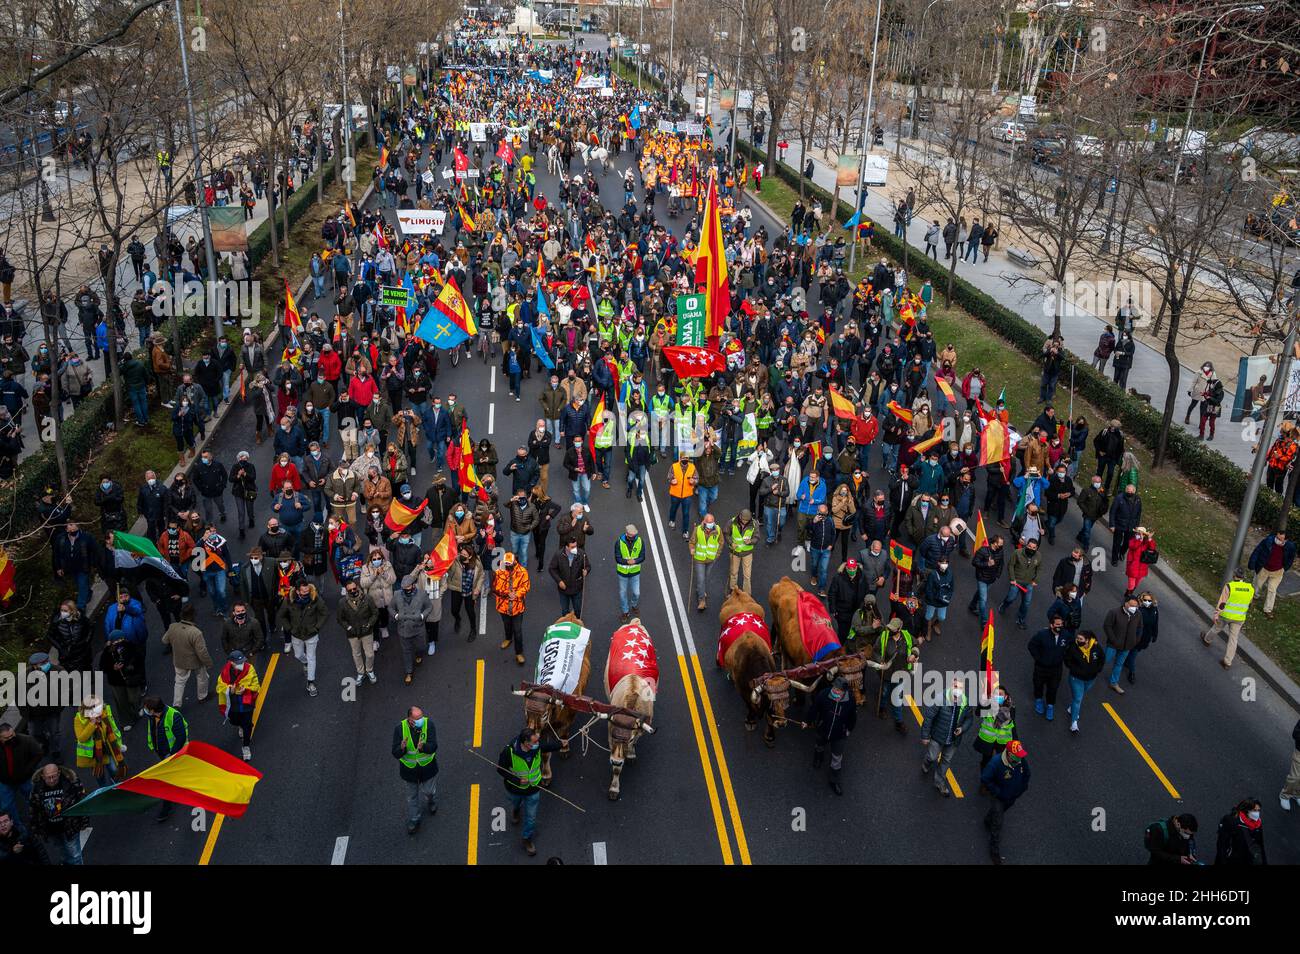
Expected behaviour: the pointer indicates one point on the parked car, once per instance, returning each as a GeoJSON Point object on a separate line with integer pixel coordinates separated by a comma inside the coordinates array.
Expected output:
{"type": "Point", "coordinates": [1280, 225]}
{"type": "Point", "coordinates": [924, 111]}
{"type": "Point", "coordinates": [1046, 150]}
{"type": "Point", "coordinates": [1012, 131]}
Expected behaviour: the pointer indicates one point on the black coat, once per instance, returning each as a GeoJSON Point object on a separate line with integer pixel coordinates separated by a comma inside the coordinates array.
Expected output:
{"type": "Point", "coordinates": [834, 720]}
{"type": "Point", "coordinates": [571, 575]}
{"type": "Point", "coordinates": [416, 773]}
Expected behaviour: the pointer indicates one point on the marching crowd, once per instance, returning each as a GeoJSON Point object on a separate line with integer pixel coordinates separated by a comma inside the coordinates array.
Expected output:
{"type": "Point", "coordinates": [812, 374]}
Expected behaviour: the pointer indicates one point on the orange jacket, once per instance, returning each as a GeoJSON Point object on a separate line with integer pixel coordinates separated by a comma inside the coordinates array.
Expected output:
{"type": "Point", "coordinates": [511, 586]}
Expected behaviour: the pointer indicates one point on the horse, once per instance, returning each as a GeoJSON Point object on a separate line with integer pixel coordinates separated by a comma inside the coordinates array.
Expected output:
{"type": "Point", "coordinates": [749, 657]}
{"type": "Point", "coordinates": [631, 683]}
{"type": "Point", "coordinates": [554, 717]}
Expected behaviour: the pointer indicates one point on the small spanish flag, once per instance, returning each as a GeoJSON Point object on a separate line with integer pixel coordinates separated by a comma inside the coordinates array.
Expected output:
{"type": "Point", "coordinates": [444, 555]}
{"type": "Point", "coordinates": [900, 412]}
{"type": "Point", "coordinates": [401, 516]}
{"type": "Point", "coordinates": [924, 445]}
{"type": "Point", "coordinates": [467, 220]}
{"type": "Point", "coordinates": [7, 572]}
{"type": "Point", "coordinates": [981, 538]}
{"type": "Point", "coordinates": [986, 651]}
{"type": "Point", "coordinates": [900, 556]}
{"type": "Point", "coordinates": [946, 388]}
{"type": "Point", "coordinates": [383, 158]}
{"type": "Point", "coordinates": [842, 406]}
{"type": "Point", "coordinates": [347, 209]}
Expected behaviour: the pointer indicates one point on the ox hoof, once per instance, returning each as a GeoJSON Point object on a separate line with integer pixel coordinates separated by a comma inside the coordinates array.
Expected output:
{"type": "Point", "coordinates": [614, 796]}
{"type": "Point", "coordinates": [750, 726]}
{"type": "Point", "coordinates": [770, 742]}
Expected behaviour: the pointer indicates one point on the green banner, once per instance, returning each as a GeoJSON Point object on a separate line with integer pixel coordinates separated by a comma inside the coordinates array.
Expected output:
{"type": "Point", "coordinates": [690, 320]}
{"type": "Point", "coordinates": [393, 295]}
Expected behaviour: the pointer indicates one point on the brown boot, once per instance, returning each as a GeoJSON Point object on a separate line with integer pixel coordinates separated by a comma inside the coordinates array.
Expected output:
{"type": "Point", "coordinates": [259, 435]}
{"type": "Point", "coordinates": [937, 630]}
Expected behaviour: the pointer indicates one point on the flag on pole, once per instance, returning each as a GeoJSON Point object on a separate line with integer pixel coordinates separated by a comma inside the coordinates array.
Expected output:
{"type": "Point", "coordinates": [922, 446]}
{"type": "Point", "coordinates": [452, 304]}
{"type": "Point", "coordinates": [292, 318]}
{"type": "Point", "coordinates": [711, 266]}
{"type": "Point", "coordinates": [900, 412]}
{"type": "Point", "coordinates": [986, 652]}
{"type": "Point", "coordinates": [900, 556]}
{"type": "Point", "coordinates": [401, 516]}
{"type": "Point", "coordinates": [946, 388]}
{"type": "Point", "coordinates": [131, 552]}
{"type": "Point", "coordinates": [198, 775]}
{"type": "Point", "coordinates": [7, 573]}
{"type": "Point", "coordinates": [444, 555]}
{"type": "Point", "coordinates": [981, 538]}
{"type": "Point", "coordinates": [347, 210]}
{"type": "Point", "coordinates": [539, 348]}
{"type": "Point", "coordinates": [466, 472]}
{"type": "Point", "coordinates": [842, 406]}
{"type": "Point", "coordinates": [383, 157]}
{"type": "Point", "coordinates": [467, 220]}
{"type": "Point", "coordinates": [995, 443]}
{"type": "Point", "coordinates": [597, 425]}
{"type": "Point", "coordinates": [689, 361]}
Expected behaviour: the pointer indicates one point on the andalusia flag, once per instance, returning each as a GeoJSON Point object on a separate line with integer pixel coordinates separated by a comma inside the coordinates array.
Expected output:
{"type": "Point", "coordinates": [131, 553]}
{"type": "Point", "coordinates": [900, 556]}
{"type": "Point", "coordinates": [198, 775]}
{"type": "Point", "coordinates": [292, 319]}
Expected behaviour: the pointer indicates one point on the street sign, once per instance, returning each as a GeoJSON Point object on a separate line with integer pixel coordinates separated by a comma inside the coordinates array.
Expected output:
{"type": "Point", "coordinates": [393, 295]}
{"type": "Point", "coordinates": [1152, 126]}
{"type": "Point", "coordinates": [690, 320]}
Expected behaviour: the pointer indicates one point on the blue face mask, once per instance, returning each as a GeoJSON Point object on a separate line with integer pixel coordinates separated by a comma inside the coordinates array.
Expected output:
{"type": "Point", "coordinates": [419, 723]}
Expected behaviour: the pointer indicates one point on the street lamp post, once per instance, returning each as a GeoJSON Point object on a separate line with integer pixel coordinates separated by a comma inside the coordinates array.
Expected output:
{"type": "Point", "coordinates": [349, 172]}
{"type": "Point", "coordinates": [640, 40]}
{"type": "Point", "coordinates": [1196, 84]}
{"type": "Point", "coordinates": [672, 29]}
{"type": "Point", "coordinates": [735, 103]}
{"type": "Point", "coordinates": [920, 51]}
{"type": "Point", "coordinates": [866, 140]}
{"type": "Point", "coordinates": [210, 259]}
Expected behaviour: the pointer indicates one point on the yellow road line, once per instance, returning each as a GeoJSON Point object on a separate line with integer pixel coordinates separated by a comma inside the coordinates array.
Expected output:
{"type": "Point", "coordinates": [471, 856]}
{"type": "Point", "coordinates": [478, 703]}
{"type": "Point", "coordinates": [741, 845]}
{"type": "Point", "coordinates": [723, 840]}
{"type": "Point", "coordinates": [1151, 764]}
{"type": "Point", "coordinates": [952, 779]}
{"type": "Point", "coordinates": [211, 843]}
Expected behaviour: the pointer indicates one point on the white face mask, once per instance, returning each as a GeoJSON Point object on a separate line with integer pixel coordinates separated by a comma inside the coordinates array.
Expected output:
{"type": "Point", "coordinates": [1253, 816]}
{"type": "Point", "coordinates": [1130, 610]}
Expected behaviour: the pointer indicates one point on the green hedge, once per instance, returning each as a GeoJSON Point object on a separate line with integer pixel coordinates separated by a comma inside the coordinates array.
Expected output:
{"type": "Point", "coordinates": [84, 430]}
{"type": "Point", "coordinates": [1215, 475]}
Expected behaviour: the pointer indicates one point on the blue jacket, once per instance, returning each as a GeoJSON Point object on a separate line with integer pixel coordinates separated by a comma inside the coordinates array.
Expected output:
{"type": "Point", "coordinates": [938, 587]}
{"type": "Point", "coordinates": [293, 443]}
{"type": "Point", "coordinates": [575, 423]}
{"type": "Point", "coordinates": [1035, 490]}
{"type": "Point", "coordinates": [1259, 556]}
{"type": "Point", "coordinates": [930, 477]}
{"type": "Point", "coordinates": [811, 498]}
{"type": "Point", "coordinates": [131, 623]}
{"type": "Point", "coordinates": [436, 432]}
{"type": "Point", "coordinates": [1006, 783]}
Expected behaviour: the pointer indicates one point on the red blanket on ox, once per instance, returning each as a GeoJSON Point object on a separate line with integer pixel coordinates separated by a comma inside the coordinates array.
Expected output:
{"type": "Point", "coordinates": [816, 628]}
{"type": "Point", "coordinates": [741, 623]}
{"type": "Point", "coordinates": [630, 651]}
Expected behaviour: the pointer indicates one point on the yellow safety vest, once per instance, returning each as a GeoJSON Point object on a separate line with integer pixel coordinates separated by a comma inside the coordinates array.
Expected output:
{"type": "Point", "coordinates": [742, 541]}
{"type": "Point", "coordinates": [1239, 596]}
{"type": "Point", "coordinates": [707, 545]}
{"type": "Point", "coordinates": [414, 758]}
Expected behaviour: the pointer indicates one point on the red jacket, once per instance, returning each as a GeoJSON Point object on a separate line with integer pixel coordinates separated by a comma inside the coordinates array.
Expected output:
{"type": "Point", "coordinates": [280, 474]}
{"type": "Point", "coordinates": [362, 392]}
{"type": "Point", "coordinates": [1133, 564]}
{"type": "Point", "coordinates": [331, 364]}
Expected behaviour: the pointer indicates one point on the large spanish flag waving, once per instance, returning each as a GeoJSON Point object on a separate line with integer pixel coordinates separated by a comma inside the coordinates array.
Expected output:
{"type": "Point", "coordinates": [292, 319]}
{"type": "Point", "coordinates": [452, 304]}
{"type": "Point", "coordinates": [198, 775]}
{"type": "Point", "coordinates": [400, 516]}
{"type": "Point", "coordinates": [711, 266]}
{"type": "Point", "coordinates": [466, 472]}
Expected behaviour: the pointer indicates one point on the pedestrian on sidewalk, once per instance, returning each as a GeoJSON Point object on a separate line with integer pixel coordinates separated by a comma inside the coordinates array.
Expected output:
{"type": "Point", "coordinates": [1005, 780]}
{"type": "Point", "coordinates": [1230, 615]}
{"type": "Point", "coordinates": [415, 746]}
{"type": "Point", "coordinates": [1123, 358]}
{"type": "Point", "coordinates": [1105, 348]}
{"type": "Point", "coordinates": [520, 765]}
{"type": "Point", "coordinates": [834, 715]}
{"type": "Point", "coordinates": [1269, 561]}
{"type": "Point", "coordinates": [932, 240]}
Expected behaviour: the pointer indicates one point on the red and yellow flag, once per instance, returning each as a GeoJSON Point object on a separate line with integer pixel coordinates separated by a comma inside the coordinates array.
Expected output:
{"type": "Point", "coordinates": [981, 538]}
{"type": "Point", "coordinates": [444, 555]}
{"type": "Point", "coordinates": [467, 220]}
{"type": "Point", "coordinates": [986, 651]}
{"type": "Point", "coordinates": [198, 775]}
{"type": "Point", "coordinates": [921, 447]}
{"type": "Point", "coordinates": [711, 266]}
{"type": "Point", "coordinates": [7, 573]}
{"type": "Point", "coordinates": [900, 556]}
{"type": "Point", "coordinates": [467, 474]}
{"type": "Point", "coordinates": [292, 319]}
{"type": "Point", "coordinates": [842, 406]}
{"type": "Point", "coordinates": [946, 388]}
{"type": "Point", "coordinates": [995, 443]}
{"type": "Point", "coordinates": [900, 412]}
{"type": "Point", "coordinates": [401, 516]}
{"type": "Point", "coordinates": [597, 425]}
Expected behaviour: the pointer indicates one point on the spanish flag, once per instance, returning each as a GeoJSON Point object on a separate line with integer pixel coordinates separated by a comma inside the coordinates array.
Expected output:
{"type": "Point", "coordinates": [198, 775]}
{"type": "Point", "coordinates": [452, 304]}
{"type": "Point", "coordinates": [924, 445]}
{"type": "Point", "coordinates": [466, 473]}
{"type": "Point", "coordinates": [347, 209]}
{"type": "Point", "coordinates": [900, 556]}
{"type": "Point", "coordinates": [383, 157]}
{"type": "Point", "coordinates": [292, 319]}
{"type": "Point", "coordinates": [986, 651]}
{"type": "Point", "coordinates": [597, 425]}
{"type": "Point", "coordinates": [401, 516]}
{"type": "Point", "coordinates": [946, 388]}
{"type": "Point", "coordinates": [467, 220]}
{"type": "Point", "coordinates": [711, 266]}
{"type": "Point", "coordinates": [444, 555]}
{"type": "Point", "coordinates": [995, 443]}
{"type": "Point", "coordinates": [900, 412]}
{"type": "Point", "coordinates": [7, 572]}
{"type": "Point", "coordinates": [842, 406]}
{"type": "Point", "coordinates": [981, 538]}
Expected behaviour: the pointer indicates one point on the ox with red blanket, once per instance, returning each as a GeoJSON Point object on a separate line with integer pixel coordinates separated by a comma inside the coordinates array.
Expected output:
{"type": "Point", "coordinates": [816, 627]}
{"type": "Point", "coordinates": [741, 623]}
{"type": "Point", "coordinates": [630, 651]}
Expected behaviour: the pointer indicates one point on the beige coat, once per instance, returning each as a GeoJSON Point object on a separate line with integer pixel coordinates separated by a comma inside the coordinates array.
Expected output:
{"type": "Point", "coordinates": [189, 649]}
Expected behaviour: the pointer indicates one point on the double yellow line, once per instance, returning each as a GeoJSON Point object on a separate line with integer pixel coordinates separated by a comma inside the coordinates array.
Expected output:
{"type": "Point", "coordinates": [693, 682]}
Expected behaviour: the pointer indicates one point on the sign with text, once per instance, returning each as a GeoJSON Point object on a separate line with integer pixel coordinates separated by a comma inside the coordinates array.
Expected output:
{"type": "Point", "coordinates": [394, 296]}
{"type": "Point", "coordinates": [421, 221]}
{"type": "Point", "coordinates": [690, 320]}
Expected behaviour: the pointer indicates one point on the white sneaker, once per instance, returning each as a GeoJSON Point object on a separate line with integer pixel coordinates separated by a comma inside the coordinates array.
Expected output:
{"type": "Point", "coordinates": [1286, 803]}
{"type": "Point", "coordinates": [248, 754]}
{"type": "Point", "coordinates": [371, 677]}
{"type": "Point", "coordinates": [360, 676]}
{"type": "Point", "coordinates": [1074, 726]}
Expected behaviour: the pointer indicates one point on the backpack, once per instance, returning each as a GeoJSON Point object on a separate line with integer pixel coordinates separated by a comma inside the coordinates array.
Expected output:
{"type": "Point", "coordinates": [1148, 838]}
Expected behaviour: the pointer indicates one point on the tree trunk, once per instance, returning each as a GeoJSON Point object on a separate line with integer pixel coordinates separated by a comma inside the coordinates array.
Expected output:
{"type": "Point", "coordinates": [271, 184]}
{"type": "Point", "coordinates": [1171, 393]}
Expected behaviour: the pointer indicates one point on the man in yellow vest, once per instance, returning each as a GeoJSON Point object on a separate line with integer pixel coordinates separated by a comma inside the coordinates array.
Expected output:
{"type": "Point", "coordinates": [520, 764]}
{"type": "Point", "coordinates": [705, 545]}
{"type": "Point", "coordinates": [1234, 603]}
{"type": "Point", "coordinates": [741, 542]}
{"type": "Point", "coordinates": [168, 731]}
{"type": "Point", "coordinates": [415, 746]}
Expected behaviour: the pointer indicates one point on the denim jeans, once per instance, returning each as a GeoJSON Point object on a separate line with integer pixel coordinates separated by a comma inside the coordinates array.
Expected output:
{"type": "Point", "coordinates": [581, 488]}
{"type": "Point", "coordinates": [571, 603]}
{"type": "Point", "coordinates": [140, 404]}
{"type": "Point", "coordinates": [318, 285]}
{"type": "Point", "coordinates": [980, 601]}
{"type": "Point", "coordinates": [818, 566]}
{"type": "Point", "coordinates": [557, 435]}
{"type": "Point", "coordinates": [519, 546]}
{"type": "Point", "coordinates": [1051, 528]}
{"type": "Point", "coordinates": [215, 580]}
{"type": "Point", "coordinates": [889, 456]}
{"type": "Point", "coordinates": [629, 592]}
{"type": "Point", "coordinates": [705, 496]}
{"type": "Point", "coordinates": [529, 805]}
{"type": "Point", "coordinates": [1118, 657]}
{"type": "Point", "coordinates": [1084, 536]}
{"type": "Point", "coordinates": [685, 505]}
{"type": "Point", "coordinates": [636, 480]}
{"type": "Point", "coordinates": [70, 847]}
{"type": "Point", "coordinates": [1077, 688]}
{"type": "Point", "coordinates": [325, 424]}
{"type": "Point", "coordinates": [1013, 593]}
{"type": "Point", "coordinates": [773, 521]}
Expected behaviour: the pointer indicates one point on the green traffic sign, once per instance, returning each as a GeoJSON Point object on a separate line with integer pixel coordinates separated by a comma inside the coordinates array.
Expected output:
{"type": "Point", "coordinates": [393, 295]}
{"type": "Point", "coordinates": [690, 320]}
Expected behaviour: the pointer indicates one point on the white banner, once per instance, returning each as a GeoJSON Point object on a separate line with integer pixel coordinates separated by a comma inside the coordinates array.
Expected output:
{"type": "Point", "coordinates": [591, 81]}
{"type": "Point", "coordinates": [421, 221]}
{"type": "Point", "coordinates": [518, 131]}
{"type": "Point", "coordinates": [478, 132]}
{"type": "Point", "coordinates": [691, 129]}
{"type": "Point", "coordinates": [427, 176]}
{"type": "Point", "coordinates": [559, 660]}
{"type": "Point", "coordinates": [607, 92]}
{"type": "Point", "coordinates": [449, 173]}
{"type": "Point", "coordinates": [745, 99]}
{"type": "Point", "coordinates": [666, 126]}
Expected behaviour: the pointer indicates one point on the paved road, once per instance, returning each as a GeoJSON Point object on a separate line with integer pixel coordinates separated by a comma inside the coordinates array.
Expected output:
{"type": "Point", "coordinates": [329, 774]}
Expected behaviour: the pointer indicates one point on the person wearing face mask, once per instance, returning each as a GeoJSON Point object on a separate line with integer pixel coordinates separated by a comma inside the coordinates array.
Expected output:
{"type": "Point", "coordinates": [415, 746]}
{"type": "Point", "coordinates": [1123, 629]}
{"type": "Point", "coordinates": [378, 580]}
{"type": "Point", "coordinates": [1048, 647]}
{"type": "Point", "coordinates": [1084, 660]}
{"type": "Point", "coordinates": [1149, 612]}
{"type": "Point", "coordinates": [1125, 518]}
{"type": "Point", "coordinates": [358, 616]}
{"type": "Point", "coordinates": [1172, 841]}
{"type": "Point", "coordinates": [705, 545]}
{"type": "Point", "coordinates": [538, 453]}
{"type": "Point", "coordinates": [210, 479]}
{"type": "Point", "coordinates": [1023, 580]}
{"type": "Point", "coordinates": [151, 503]}
{"type": "Point", "coordinates": [834, 714]}
{"type": "Point", "coordinates": [99, 742]}
{"type": "Point", "coordinates": [110, 499]}
{"type": "Point", "coordinates": [1005, 779]}
{"type": "Point", "coordinates": [238, 687]}
{"type": "Point", "coordinates": [944, 725]}
{"type": "Point", "coordinates": [1093, 504]}
{"type": "Point", "coordinates": [466, 583]}
{"type": "Point", "coordinates": [301, 617]}
{"type": "Point", "coordinates": [520, 765]}
{"type": "Point", "coordinates": [243, 630]}
{"type": "Point", "coordinates": [937, 596]}
{"type": "Point", "coordinates": [1241, 835]}
{"type": "Point", "coordinates": [997, 728]}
